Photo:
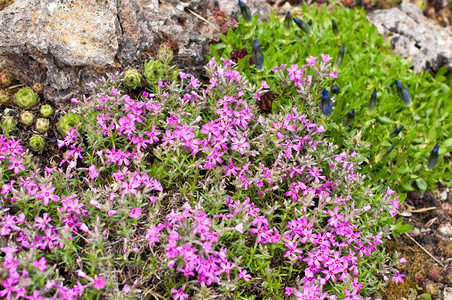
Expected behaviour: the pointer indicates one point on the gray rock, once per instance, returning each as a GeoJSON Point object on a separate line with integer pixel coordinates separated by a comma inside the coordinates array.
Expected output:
{"type": "Point", "coordinates": [414, 36]}
{"type": "Point", "coordinates": [65, 44]}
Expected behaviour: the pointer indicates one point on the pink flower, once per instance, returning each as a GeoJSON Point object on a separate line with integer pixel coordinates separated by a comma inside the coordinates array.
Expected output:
{"type": "Point", "coordinates": [40, 264]}
{"type": "Point", "coordinates": [46, 194]}
{"type": "Point", "coordinates": [333, 74]}
{"type": "Point", "coordinates": [179, 294]}
{"type": "Point", "coordinates": [99, 282]}
{"type": "Point", "coordinates": [398, 277]}
{"type": "Point", "coordinates": [326, 58]}
{"type": "Point", "coordinates": [16, 164]}
{"type": "Point", "coordinates": [135, 212]}
{"type": "Point", "coordinates": [311, 60]}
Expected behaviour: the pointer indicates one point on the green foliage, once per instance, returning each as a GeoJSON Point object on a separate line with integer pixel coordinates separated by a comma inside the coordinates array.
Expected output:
{"type": "Point", "coordinates": [367, 64]}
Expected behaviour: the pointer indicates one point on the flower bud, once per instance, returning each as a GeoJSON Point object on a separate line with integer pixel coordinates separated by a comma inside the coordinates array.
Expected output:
{"type": "Point", "coordinates": [8, 124]}
{"type": "Point", "coordinates": [384, 153]}
{"type": "Point", "coordinates": [334, 26]}
{"type": "Point", "coordinates": [26, 98]}
{"type": "Point", "coordinates": [335, 89]}
{"type": "Point", "coordinates": [37, 87]}
{"type": "Point", "coordinates": [348, 118]}
{"type": "Point", "coordinates": [132, 78]}
{"type": "Point", "coordinates": [372, 101]}
{"type": "Point", "coordinates": [257, 55]}
{"type": "Point", "coordinates": [46, 110]}
{"type": "Point", "coordinates": [37, 143]}
{"type": "Point", "coordinates": [4, 96]}
{"type": "Point", "coordinates": [326, 105]}
{"type": "Point", "coordinates": [310, 22]}
{"type": "Point", "coordinates": [27, 118]}
{"type": "Point", "coordinates": [303, 25]}
{"type": "Point", "coordinates": [434, 274]}
{"type": "Point", "coordinates": [287, 22]}
{"type": "Point", "coordinates": [433, 158]}
{"type": "Point", "coordinates": [246, 12]}
{"type": "Point", "coordinates": [403, 92]}
{"type": "Point", "coordinates": [68, 122]}
{"type": "Point", "coordinates": [42, 125]}
{"type": "Point", "coordinates": [5, 79]}
{"type": "Point", "coordinates": [395, 132]}
{"type": "Point", "coordinates": [339, 58]}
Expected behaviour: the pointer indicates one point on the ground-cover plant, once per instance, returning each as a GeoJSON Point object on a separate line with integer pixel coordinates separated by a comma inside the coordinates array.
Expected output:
{"type": "Point", "coordinates": [394, 137]}
{"type": "Point", "coordinates": [189, 191]}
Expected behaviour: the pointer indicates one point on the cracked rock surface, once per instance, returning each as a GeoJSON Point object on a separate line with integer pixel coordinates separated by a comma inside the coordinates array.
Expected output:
{"type": "Point", "coordinates": [414, 36]}
{"type": "Point", "coordinates": [65, 44]}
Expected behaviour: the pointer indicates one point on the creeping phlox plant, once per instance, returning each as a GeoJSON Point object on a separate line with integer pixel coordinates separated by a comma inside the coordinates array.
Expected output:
{"type": "Point", "coordinates": [187, 191]}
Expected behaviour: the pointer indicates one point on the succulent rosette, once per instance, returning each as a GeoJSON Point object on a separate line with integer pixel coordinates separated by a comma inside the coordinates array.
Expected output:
{"type": "Point", "coordinates": [68, 122]}
{"type": "Point", "coordinates": [26, 98]}
{"type": "Point", "coordinates": [42, 125]}
{"type": "Point", "coordinates": [37, 87]}
{"type": "Point", "coordinates": [27, 118]}
{"type": "Point", "coordinates": [8, 124]}
{"type": "Point", "coordinates": [46, 110]}
{"type": "Point", "coordinates": [5, 78]}
{"type": "Point", "coordinates": [37, 143]}
{"type": "Point", "coordinates": [4, 96]}
{"type": "Point", "coordinates": [132, 78]}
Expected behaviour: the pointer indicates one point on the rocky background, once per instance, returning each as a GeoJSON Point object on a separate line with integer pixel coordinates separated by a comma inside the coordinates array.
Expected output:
{"type": "Point", "coordinates": [65, 44]}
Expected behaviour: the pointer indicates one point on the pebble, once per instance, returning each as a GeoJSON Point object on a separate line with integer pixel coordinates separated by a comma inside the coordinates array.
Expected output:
{"type": "Point", "coordinates": [447, 293]}
{"type": "Point", "coordinates": [446, 229]}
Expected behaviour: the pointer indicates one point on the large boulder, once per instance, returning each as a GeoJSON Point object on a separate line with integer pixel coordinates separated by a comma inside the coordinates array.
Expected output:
{"type": "Point", "coordinates": [414, 36]}
{"type": "Point", "coordinates": [66, 44]}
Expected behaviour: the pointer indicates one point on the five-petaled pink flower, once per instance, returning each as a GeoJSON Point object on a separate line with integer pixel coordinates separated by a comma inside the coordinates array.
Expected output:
{"type": "Point", "coordinates": [135, 212]}
{"type": "Point", "coordinates": [99, 282]}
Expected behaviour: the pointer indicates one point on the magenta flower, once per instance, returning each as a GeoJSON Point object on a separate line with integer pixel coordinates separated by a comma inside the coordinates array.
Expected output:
{"type": "Point", "coordinates": [135, 212]}
{"type": "Point", "coordinates": [99, 282]}
{"type": "Point", "coordinates": [130, 187]}
{"type": "Point", "coordinates": [179, 294]}
{"type": "Point", "coordinates": [398, 277]}
{"type": "Point", "coordinates": [16, 164]}
{"type": "Point", "coordinates": [46, 194]}
{"type": "Point", "coordinates": [325, 58]}
{"type": "Point", "coordinates": [40, 264]}
{"type": "Point", "coordinates": [41, 223]}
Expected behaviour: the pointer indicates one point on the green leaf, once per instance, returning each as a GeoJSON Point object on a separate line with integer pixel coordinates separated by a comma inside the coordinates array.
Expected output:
{"type": "Point", "coordinates": [404, 228]}
{"type": "Point", "coordinates": [421, 184]}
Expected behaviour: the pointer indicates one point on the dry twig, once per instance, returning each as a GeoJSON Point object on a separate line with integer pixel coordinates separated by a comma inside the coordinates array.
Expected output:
{"type": "Point", "coordinates": [425, 250]}
{"type": "Point", "coordinates": [200, 17]}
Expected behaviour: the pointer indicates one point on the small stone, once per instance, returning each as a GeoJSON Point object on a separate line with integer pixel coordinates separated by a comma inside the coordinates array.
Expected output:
{"type": "Point", "coordinates": [445, 229]}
